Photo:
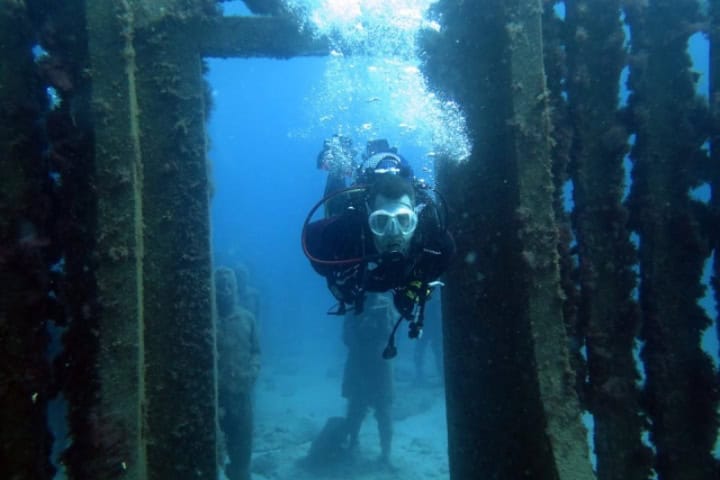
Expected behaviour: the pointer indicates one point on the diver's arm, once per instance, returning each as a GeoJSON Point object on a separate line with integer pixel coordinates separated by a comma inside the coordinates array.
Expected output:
{"type": "Point", "coordinates": [435, 257]}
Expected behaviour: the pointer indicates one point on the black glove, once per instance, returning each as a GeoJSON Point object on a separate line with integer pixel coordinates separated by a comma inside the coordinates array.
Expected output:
{"type": "Point", "coordinates": [405, 298]}
{"type": "Point", "coordinates": [343, 284]}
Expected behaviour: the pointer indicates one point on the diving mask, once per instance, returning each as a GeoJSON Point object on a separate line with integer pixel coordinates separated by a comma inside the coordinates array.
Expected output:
{"type": "Point", "coordinates": [398, 221]}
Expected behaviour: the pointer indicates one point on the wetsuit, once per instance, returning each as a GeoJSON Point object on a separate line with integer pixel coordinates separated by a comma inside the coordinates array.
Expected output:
{"type": "Point", "coordinates": [347, 236]}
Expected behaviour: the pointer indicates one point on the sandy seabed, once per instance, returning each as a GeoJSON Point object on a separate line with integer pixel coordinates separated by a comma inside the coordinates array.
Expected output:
{"type": "Point", "coordinates": [294, 399]}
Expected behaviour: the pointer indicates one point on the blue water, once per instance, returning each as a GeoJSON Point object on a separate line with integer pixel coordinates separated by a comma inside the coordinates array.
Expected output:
{"type": "Point", "coordinates": [263, 160]}
{"type": "Point", "coordinates": [264, 184]}
{"type": "Point", "coordinates": [265, 181]}
{"type": "Point", "coordinates": [263, 156]}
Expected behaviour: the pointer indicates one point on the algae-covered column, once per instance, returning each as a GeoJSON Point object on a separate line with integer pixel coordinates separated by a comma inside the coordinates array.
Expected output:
{"type": "Point", "coordinates": [714, 96]}
{"type": "Point", "coordinates": [25, 380]}
{"type": "Point", "coordinates": [179, 334]}
{"type": "Point", "coordinates": [512, 407]}
{"type": "Point", "coordinates": [157, 395]}
{"type": "Point", "coordinates": [607, 310]}
{"type": "Point", "coordinates": [555, 55]}
{"type": "Point", "coordinates": [120, 276]}
{"type": "Point", "coordinates": [681, 390]}
{"type": "Point", "coordinates": [537, 232]}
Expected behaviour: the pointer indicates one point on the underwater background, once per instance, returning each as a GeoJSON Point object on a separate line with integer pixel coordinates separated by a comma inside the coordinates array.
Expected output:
{"type": "Point", "coordinates": [86, 239]}
{"type": "Point", "coordinates": [266, 128]}
{"type": "Point", "coordinates": [266, 132]}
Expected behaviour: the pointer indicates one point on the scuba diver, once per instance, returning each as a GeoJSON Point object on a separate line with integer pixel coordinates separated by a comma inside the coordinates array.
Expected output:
{"type": "Point", "coordinates": [382, 233]}
{"type": "Point", "coordinates": [381, 246]}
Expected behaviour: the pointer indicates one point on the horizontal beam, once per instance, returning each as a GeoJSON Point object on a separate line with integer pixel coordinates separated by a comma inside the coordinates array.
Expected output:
{"type": "Point", "coordinates": [246, 37]}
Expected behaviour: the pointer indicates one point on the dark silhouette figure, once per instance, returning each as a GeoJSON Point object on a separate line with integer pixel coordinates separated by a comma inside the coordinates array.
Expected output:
{"type": "Point", "coordinates": [238, 368]}
{"type": "Point", "coordinates": [368, 378]}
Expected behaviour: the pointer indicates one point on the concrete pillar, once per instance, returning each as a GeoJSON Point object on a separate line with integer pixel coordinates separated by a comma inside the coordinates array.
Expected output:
{"type": "Point", "coordinates": [156, 365]}
{"type": "Point", "coordinates": [608, 312]}
{"type": "Point", "coordinates": [681, 391]}
{"type": "Point", "coordinates": [127, 229]}
{"type": "Point", "coordinates": [512, 407]}
{"type": "Point", "coordinates": [714, 96]}
{"type": "Point", "coordinates": [148, 408]}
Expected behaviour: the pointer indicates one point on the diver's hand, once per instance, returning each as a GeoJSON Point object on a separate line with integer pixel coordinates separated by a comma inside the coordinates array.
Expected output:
{"type": "Point", "coordinates": [405, 298]}
{"type": "Point", "coordinates": [403, 304]}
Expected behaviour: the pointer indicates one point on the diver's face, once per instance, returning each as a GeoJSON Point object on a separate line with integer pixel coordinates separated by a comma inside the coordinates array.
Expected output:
{"type": "Point", "coordinates": [392, 222]}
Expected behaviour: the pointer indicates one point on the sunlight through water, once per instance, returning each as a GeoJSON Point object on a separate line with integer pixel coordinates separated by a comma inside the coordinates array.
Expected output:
{"type": "Point", "coordinates": [373, 85]}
